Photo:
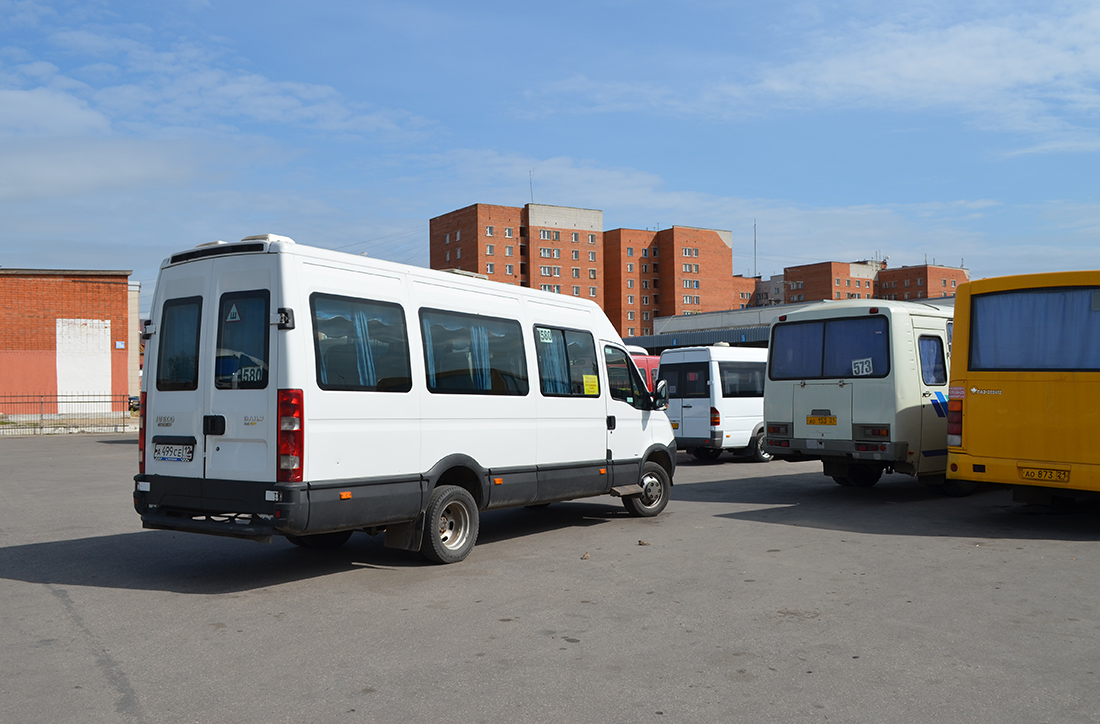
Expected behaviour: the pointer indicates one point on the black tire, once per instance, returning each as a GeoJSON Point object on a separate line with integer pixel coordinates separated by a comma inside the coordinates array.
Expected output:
{"type": "Point", "coordinates": [707, 454]}
{"type": "Point", "coordinates": [863, 476]}
{"type": "Point", "coordinates": [656, 488]}
{"type": "Point", "coordinates": [450, 525]}
{"type": "Point", "coordinates": [958, 488]}
{"type": "Point", "coordinates": [759, 454]}
{"type": "Point", "coordinates": [321, 541]}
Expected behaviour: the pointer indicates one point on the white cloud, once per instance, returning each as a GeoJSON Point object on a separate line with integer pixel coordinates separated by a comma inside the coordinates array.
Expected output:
{"type": "Point", "coordinates": [44, 112]}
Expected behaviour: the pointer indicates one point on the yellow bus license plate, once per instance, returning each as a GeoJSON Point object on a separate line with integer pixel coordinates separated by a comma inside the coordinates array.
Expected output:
{"type": "Point", "coordinates": [1045, 474]}
{"type": "Point", "coordinates": [820, 420]}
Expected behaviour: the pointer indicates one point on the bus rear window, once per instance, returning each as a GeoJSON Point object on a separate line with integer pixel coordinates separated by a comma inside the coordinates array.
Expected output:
{"type": "Point", "coordinates": [831, 349]}
{"type": "Point", "coordinates": [1036, 329]}
{"type": "Point", "coordinates": [178, 354]}
{"type": "Point", "coordinates": [742, 379]}
{"type": "Point", "coordinates": [686, 379]}
{"type": "Point", "coordinates": [241, 359]}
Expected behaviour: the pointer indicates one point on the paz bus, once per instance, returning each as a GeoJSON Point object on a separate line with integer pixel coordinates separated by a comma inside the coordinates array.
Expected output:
{"type": "Point", "coordinates": [1025, 384]}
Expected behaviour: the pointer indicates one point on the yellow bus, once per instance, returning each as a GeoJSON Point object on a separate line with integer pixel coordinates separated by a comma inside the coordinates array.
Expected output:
{"type": "Point", "coordinates": [1024, 397]}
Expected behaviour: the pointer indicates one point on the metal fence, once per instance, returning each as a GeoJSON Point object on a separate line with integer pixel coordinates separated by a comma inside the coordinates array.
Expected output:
{"type": "Point", "coordinates": [59, 414]}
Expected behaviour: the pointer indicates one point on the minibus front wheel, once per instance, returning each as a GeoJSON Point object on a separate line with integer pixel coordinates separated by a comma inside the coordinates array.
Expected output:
{"type": "Point", "coordinates": [450, 525]}
{"type": "Point", "coordinates": [656, 487]}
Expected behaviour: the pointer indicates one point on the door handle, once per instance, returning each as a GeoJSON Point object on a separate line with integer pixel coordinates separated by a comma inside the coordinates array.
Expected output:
{"type": "Point", "coordinates": [213, 425]}
{"type": "Point", "coordinates": [610, 422]}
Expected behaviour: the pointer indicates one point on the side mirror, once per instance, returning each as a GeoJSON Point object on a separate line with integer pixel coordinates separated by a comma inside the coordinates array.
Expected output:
{"type": "Point", "coordinates": [660, 395]}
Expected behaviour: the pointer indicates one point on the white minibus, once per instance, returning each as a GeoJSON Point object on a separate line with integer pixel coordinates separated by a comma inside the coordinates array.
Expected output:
{"type": "Point", "coordinates": [296, 391]}
{"type": "Point", "coordinates": [716, 399]}
{"type": "Point", "coordinates": [861, 385]}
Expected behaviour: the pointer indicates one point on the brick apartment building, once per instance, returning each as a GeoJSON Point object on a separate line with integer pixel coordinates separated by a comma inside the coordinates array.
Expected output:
{"type": "Point", "coordinates": [634, 275]}
{"type": "Point", "coordinates": [67, 332]}
{"type": "Point", "coordinates": [860, 280]}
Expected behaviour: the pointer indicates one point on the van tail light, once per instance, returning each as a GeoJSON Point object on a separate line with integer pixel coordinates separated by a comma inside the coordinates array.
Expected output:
{"type": "Point", "coordinates": [954, 423]}
{"type": "Point", "coordinates": [141, 434]}
{"type": "Point", "coordinates": [291, 436]}
{"type": "Point", "coordinates": [715, 417]}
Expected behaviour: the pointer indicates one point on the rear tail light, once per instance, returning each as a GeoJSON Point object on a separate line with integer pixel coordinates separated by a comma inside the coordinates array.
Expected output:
{"type": "Point", "coordinates": [871, 432]}
{"type": "Point", "coordinates": [141, 434]}
{"type": "Point", "coordinates": [291, 436]}
{"type": "Point", "coordinates": [779, 443]}
{"type": "Point", "coordinates": [954, 423]}
{"type": "Point", "coordinates": [778, 428]}
{"type": "Point", "coordinates": [715, 417]}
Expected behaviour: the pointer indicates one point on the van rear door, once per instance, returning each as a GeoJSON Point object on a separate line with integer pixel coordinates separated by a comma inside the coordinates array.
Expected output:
{"type": "Point", "coordinates": [932, 354]}
{"type": "Point", "coordinates": [240, 422]}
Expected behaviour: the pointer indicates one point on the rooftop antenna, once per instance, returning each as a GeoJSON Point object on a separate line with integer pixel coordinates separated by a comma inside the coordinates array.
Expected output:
{"type": "Point", "coordinates": [531, 180]}
{"type": "Point", "coordinates": [754, 247]}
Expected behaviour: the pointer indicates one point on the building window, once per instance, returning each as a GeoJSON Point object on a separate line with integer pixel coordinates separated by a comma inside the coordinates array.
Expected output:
{"type": "Point", "coordinates": [629, 283]}
{"type": "Point", "coordinates": [629, 331]}
{"type": "Point", "coordinates": [696, 300]}
{"type": "Point", "coordinates": [952, 282]}
{"type": "Point", "coordinates": [591, 273]}
{"type": "Point", "coordinates": [591, 291]}
{"type": "Point", "coordinates": [576, 272]}
{"type": "Point", "coordinates": [645, 284]}
{"type": "Point", "coordinates": [696, 283]}
{"type": "Point", "coordinates": [630, 267]}
{"type": "Point", "coordinates": [629, 298]}
{"type": "Point", "coordinates": [906, 284]}
{"type": "Point", "coordinates": [576, 255]}
{"type": "Point", "coordinates": [920, 282]}
{"type": "Point", "coordinates": [489, 268]}
{"type": "Point", "coordinates": [508, 269]}
{"type": "Point", "coordinates": [645, 252]}
{"type": "Point", "coordinates": [447, 239]}
{"type": "Point", "coordinates": [576, 237]}
{"type": "Point", "coordinates": [544, 234]}
{"type": "Point", "coordinates": [576, 291]}
{"type": "Point", "coordinates": [645, 316]}
{"type": "Point", "coordinates": [448, 255]}
{"type": "Point", "coordinates": [458, 253]}
{"type": "Point", "coordinates": [488, 250]}
{"type": "Point", "coordinates": [630, 316]}
{"type": "Point", "coordinates": [546, 287]}
{"type": "Point", "coordinates": [630, 251]}
{"type": "Point", "coordinates": [591, 238]}
{"type": "Point", "coordinates": [591, 256]}
{"type": "Point", "coordinates": [546, 271]}
{"type": "Point", "coordinates": [488, 231]}
{"type": "Point", "coordinates": [458, 235]}
{"type": "Point", "coordinates": [645, 300]}
{"type": "Point", "coordinates": [507, 232]}
{"type": "Point", "coordinates": [508, 250]}
{"type": "Point", "coordinates": [557, 271]}
{"type": "Point", "coordinates": [687, 268]}
{"type": "Point", "coordinates": [545, 252]}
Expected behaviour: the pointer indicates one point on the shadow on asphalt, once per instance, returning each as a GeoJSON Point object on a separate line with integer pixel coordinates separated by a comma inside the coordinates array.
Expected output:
{"type": "Point", "coordinates": [199, 564]}
{"type": "Point", "coordinates": [897, 505]}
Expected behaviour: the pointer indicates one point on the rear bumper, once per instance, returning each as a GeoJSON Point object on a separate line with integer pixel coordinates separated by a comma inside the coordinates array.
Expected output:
{"type": "Point", "coordinates": [811, 449]}
{"type": "Point", "coordinates": [688, 443]}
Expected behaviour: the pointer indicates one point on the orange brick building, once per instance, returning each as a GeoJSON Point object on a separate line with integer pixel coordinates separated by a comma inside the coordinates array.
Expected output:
{"type": "Point", "coordinates": [634, 275]}
{"type": "Point", "coordinates": [65, 332]}
{"type": "Point", "coordinates": [926, 281]}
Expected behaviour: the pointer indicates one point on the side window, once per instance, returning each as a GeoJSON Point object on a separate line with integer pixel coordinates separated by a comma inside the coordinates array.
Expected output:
{"type": "Point", "coordinates": [742, 379]}
{"type": "Point", "coordinates": [473, 354]}
{"type": "Point", "coordinates": [567, 363]}
{"type": "Point", "coordinates": [933, 369]}
{"type": "Point", "coordinates": [360, 345]}
{"type": "Point", "coordinates": [623, 380]}
{"type": "Point", "coordinates": [243, 335]}
{"type": "Point", "coordinates": [178, 354]}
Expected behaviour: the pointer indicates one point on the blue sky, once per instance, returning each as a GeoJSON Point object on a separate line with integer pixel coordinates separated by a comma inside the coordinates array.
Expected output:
{"type": "Point", "coordinates": [964, 133]}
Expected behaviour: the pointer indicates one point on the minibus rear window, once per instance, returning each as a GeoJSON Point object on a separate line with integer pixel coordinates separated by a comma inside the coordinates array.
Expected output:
{"type": "Point", "coordinates": [686, 380]}
{"type": "Point", "coordinates": [831, 349]}
{"type": "Point", "coordinates": [178, 354]}
{"type": "Point", "coordinates": [241, 359]}
{"type": "Point", "coordinates": [1055, 329]}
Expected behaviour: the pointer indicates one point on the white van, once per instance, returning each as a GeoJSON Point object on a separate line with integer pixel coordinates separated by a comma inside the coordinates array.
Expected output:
{"type": "Point", "coordinates": [309, 393]}
{"type": "Point", "coordinates": [862, 386]}
{"type": "Point", "coordinates": [716, 399]}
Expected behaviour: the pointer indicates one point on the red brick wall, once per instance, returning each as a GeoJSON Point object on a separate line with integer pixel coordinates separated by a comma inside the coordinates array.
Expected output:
{"type": "Point", "coordinates": [715, 273]}
{"type": "Point", "coordinates": [33, 302]}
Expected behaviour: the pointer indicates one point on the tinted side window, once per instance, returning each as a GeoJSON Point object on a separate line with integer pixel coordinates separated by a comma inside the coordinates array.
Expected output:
{"type": "Point", "coordinates": [567, 363]}
{"type": "Point", "coordinates": [857, 347]}
{"type": "Point", "coordinates": [241, 360]}
{"type": "Point", "coordinates": [360, 345]}
{"type": "Point", "coordinates": [796, 350]}
{"type": "Point", "coordinates": [686, 379]}
{"type": "Point", "coordinates": [742, 379]}
{"type": "Point", "coordinates": [1036, 329]}
{"type": "Point", "coordinates": [473, 354]}
{"type": "Point", "coordinates": [178, 355]}
{"type": "Point", "coordinates": [933, 366]}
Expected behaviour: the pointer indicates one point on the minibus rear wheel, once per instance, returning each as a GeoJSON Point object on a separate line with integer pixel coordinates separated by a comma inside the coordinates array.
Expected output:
{"type": "Point", "coordinates": [656, 487]}
{"type": "Point", "coordinates": [450, 525]}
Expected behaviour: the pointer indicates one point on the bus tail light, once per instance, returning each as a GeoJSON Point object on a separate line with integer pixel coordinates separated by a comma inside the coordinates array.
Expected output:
{"type": "Point", "coordinates": [715, 417]}
{"type": "Point", "coordinates": [954, 423]}
{"type": "Point", "coordinates": [291, 446]}
{"type": "Point", "coordinates": [141, 434]}
{"type": "Point", "coordinates": [871, 432]}
{"type": "Point", "coordinates": [779, 428]}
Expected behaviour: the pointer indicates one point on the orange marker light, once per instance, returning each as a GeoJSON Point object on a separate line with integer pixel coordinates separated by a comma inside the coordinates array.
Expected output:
{"type": "Point", "coordinates": [345, 495]}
